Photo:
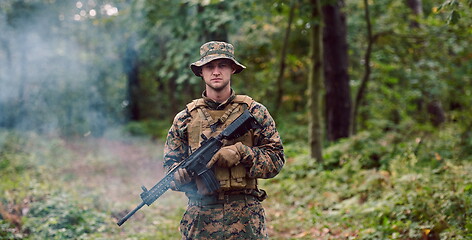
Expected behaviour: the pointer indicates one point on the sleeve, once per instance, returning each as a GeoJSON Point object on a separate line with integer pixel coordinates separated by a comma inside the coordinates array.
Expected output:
{"type": "Point", "coordinates": [266, 158]}
{"type": "Point", "coordinates": [176, 146]}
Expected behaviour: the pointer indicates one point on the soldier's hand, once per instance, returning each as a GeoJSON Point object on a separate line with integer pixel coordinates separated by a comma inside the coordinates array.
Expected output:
{"type": "Point", "coordinates": [228, 156]}
{"type": "Point", "coordinates": [181, 177]}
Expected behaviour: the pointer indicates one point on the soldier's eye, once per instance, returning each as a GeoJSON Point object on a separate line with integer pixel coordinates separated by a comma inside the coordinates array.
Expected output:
{"type": "Point", "coordinates": [208, 67]}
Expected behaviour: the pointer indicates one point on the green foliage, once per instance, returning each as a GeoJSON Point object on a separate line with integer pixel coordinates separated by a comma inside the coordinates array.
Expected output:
{"type": "Point", "coordinates": [10, 151]}
{"type": "Point", "coordinates": [407, 62]}
{"type": "Point", "coordinates": [45, 213]}
{"type": "Point", "coordinates": [398, 178]}
{"type": "Point", "coordinates": [6, 231]}
{"type": "Point", "coordinates": [168, 37]}
{"type": "Point", "coordinates": [93, 58]}
{"type": "Point", "coordinates": [456, 7]}
{"type": "Point", "coordinates": [14, 164]}
{"type": "Point", "coordinates": [155, 129]}
{"type": "Point", "coordinates": [421, 186]}
{"type": "Point", "coordinates": [59, 216]}
{"type": "Point", "coordinates": [292, 127]}
{"type": "Point", "coordinates": [418, 202]}
{"type": "Point", "coordinates": [50, 186]}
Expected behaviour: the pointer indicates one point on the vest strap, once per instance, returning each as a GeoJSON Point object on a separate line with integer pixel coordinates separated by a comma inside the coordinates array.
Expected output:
{"type": "Point", "coordinates": [204, 114]}
{"type": "Point", "coordinates": [243, 99]}
{"type": "Point", "coordinates": [229, 112]}
{"type": "Point", "coordinates": [195, 103]}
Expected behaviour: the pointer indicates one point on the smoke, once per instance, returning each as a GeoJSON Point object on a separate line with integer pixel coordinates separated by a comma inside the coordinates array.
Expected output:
{"type": "Point", "coordinates": [60, 71]}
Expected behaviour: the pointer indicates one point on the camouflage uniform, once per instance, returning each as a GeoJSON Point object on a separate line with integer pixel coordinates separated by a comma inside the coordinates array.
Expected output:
{"type": "Point", "coordinates": [235, 216]}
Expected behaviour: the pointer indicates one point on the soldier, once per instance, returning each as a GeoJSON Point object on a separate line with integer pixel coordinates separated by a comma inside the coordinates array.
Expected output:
{"type": "Point", "coordinates": [234, 211]}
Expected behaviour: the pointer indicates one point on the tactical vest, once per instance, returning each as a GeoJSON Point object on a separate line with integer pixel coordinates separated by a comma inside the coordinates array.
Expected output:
{"type": "Point", "coordinates": [212, 122]}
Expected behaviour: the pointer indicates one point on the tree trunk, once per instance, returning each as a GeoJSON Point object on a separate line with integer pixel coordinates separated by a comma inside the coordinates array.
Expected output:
{"type": "Point", "coordinates": [315, 83]}
{"type": "Point", "coordinates": [5, 70]}
{"type": "Point", "coordinates": [436, 112]}
{"type": "Point", "coordinates": [20, 105]}
{"type": "Point", "coordinates": [365, 79]}
{"type": "Point", "coordinates": [280, 88]}
{"type": "Point", "coordinates": [416, 7]}
{"type": "Point", "coordinates": [131, 69]}
{"type": "Point", "coordinates": [338, 97]}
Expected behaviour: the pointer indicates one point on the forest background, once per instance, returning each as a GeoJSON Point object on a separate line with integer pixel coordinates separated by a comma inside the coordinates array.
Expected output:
{"type": "Point", "coordinates": [372, 100]}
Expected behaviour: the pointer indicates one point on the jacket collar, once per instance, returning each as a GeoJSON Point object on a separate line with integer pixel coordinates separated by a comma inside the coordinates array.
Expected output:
{"type": "Point", "coordinates": [216, 105]}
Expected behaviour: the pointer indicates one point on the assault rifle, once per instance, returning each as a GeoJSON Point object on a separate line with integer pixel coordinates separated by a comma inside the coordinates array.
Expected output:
{"type": "Point", "coordinates": [196, 163]}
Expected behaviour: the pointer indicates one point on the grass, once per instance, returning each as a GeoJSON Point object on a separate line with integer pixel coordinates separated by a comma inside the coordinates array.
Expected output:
{"type": "Point", "coordinates": [78, 188]}
{"type": "Point", "coordinates": [372, 186]}
{"type": "Point", "coordinates": [419, 190]}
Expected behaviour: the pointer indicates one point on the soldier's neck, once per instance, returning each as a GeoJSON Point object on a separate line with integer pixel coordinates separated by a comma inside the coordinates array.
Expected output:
{"type": "Point", "coordinates": [218, 96]}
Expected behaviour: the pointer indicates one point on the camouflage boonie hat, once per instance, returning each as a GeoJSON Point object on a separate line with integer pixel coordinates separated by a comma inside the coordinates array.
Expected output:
{"type": "Point", "coordinates": [215, 50]}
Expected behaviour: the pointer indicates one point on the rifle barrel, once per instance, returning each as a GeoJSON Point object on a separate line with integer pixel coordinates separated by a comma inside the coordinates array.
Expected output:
{"type": "Point", "coordinates": [123, 220]}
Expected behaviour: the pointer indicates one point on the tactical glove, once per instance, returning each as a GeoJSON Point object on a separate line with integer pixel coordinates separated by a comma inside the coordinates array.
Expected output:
{"type": "Point", "coordinates": [227, 157]}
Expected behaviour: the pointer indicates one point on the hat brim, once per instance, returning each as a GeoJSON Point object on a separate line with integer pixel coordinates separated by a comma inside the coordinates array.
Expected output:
{"type": "Point", "coordinates": [198, 64]}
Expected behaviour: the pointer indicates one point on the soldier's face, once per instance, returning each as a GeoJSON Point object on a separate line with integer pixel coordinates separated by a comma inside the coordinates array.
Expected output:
{"type": "Point", "coordinates": [217, 73]}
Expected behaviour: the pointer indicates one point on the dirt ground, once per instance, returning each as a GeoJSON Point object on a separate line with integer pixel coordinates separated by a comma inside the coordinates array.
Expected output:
{"type": "Point", "coordinates": [115, 170]}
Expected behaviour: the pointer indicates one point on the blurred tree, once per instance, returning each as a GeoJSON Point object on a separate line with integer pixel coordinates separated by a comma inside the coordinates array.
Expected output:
{"type": "Point", "coordinates": [79, 66]}
{"type": "Point", "coordinates": [283, 55]}
{"type": "Point", "coordinates": [170, 36]}
{"type": "Point", "coordinates": [338, 92]}
{"type": "Point", "coordinates": [433, 104]}
{"type": "Point", "coordinates": [407, 67]}
{"type": "Point", "coordinates": [315, 83]}
{"type": "Point", "coordinates": [416, 7]}
{"type": "Point", "coordinates": [131, 69]}
{"type": "Point", "coordinates": [367, 68]}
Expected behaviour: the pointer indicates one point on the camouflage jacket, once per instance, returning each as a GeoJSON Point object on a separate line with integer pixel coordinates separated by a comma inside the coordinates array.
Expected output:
{"type": "Point", "coordinates": [264, 160]}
